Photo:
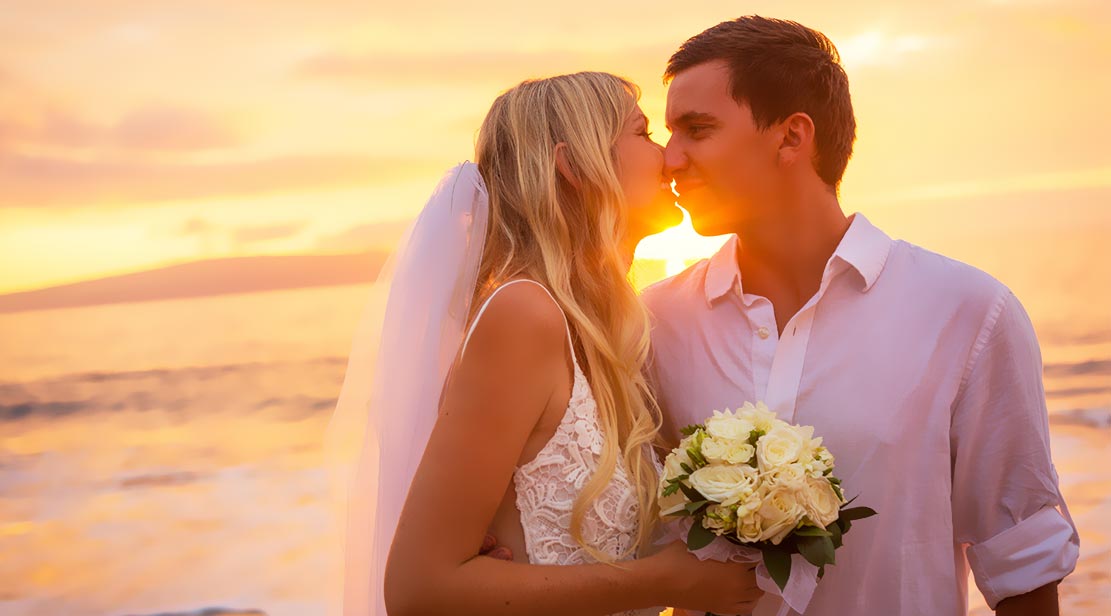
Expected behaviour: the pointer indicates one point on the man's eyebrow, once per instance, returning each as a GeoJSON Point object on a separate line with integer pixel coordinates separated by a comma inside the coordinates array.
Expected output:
{"type": "Point", "coordinates": [692, 117]}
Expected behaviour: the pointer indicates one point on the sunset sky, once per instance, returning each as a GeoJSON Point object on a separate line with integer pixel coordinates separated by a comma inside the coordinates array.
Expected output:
{"type": "Point", "coordinates": [137, 133]}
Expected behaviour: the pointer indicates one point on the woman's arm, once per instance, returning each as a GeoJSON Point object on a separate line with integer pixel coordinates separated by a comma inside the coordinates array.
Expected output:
{"type": "Point", "coordinates": [498, 392]}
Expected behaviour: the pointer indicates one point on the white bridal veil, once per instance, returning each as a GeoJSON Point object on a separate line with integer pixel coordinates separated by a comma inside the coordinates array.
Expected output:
{"type": "Point", "coordinates": [405, 344]}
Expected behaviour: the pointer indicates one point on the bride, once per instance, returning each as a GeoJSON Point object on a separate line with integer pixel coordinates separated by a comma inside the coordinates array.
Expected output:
{"type": "Point", "coordinates": [507, 395]}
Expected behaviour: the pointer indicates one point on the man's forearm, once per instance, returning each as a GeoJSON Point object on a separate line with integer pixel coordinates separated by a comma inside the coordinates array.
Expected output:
{"type": "Point", "coordinates": [1038, 602]}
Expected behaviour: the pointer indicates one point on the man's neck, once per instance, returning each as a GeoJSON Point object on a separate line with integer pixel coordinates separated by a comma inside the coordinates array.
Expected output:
{"type": "Point", "coordinates": [786, 255]}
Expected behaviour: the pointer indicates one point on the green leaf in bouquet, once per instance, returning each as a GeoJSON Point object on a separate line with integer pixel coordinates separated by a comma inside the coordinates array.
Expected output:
{"type": "Point", "coordinates": [699, 536]}
{"type": "Point", "coordinates": [838, 492]}
{"type": "Point", "coordinates": [689, 430]}
{"type": "Point", "coordinates": [818, 551]}
{"type": "Point", "coordinates": [835, 534]}
{"type": "Point", "coordinates": [686, 468]}
{"type": "Point", "coordinates": [812, 531]}
{"type": "Point", "coordinates": [671, 489]}
{"type": "Point", "coordinates": [857, 513]}
{"type": "Point", "coordinates": [696, 456]}
{"type": "Point", "coordinates": [778, 563]}
{"type": "Point", "coordinates": [694, 507]}
{"type": "Point", "coordinates": [691, 494]}
{"type": "Point", "coordinates": [835, 481]}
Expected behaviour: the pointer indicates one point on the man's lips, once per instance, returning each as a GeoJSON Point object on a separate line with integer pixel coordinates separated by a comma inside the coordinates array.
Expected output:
{"type": "Point", "coordinates": [688, 186]}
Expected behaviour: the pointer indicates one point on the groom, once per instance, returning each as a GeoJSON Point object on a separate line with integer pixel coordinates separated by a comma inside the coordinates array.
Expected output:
{"type": "Point", "coordinates": [922, 374]}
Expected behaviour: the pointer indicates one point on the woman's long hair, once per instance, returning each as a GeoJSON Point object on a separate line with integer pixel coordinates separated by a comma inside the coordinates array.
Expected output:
{"type": "Point", "coordinates": [567, 237]}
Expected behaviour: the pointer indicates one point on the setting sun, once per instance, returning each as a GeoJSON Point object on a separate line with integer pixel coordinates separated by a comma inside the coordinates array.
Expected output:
{"type": "Point", "coordinates": [671, 251]}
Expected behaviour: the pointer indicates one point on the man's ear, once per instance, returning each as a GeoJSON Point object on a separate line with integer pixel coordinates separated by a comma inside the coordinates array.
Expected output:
{"type": "Point", "coordinates": [797, 139]}
{"type": "Point", "coordinates": [563, 165]}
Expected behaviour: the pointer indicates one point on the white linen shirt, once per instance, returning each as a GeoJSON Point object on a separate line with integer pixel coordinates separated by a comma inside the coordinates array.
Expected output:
{"type": "Point", "coordinates": [923, 377]}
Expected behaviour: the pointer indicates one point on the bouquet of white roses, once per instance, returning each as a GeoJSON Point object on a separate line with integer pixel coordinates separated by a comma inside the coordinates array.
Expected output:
{"type": "Point", "coordinates": [759, 482]}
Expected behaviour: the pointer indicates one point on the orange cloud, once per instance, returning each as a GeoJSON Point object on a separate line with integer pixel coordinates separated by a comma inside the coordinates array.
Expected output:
{"type": "Point", "coordinates": [262, 233]}
{"type": "Point", "coordinates": [33, 118]}
{"type": "Point", "coordinates": [240, 236]}
{"type": "Point", "coordinates": [173, 128]}
{"type": "Point", "coordinates": [31, 181]}
{"type": "Point", "coordinates": [378, 235]}
{"type": "Point", "coordinates": [473, 67]}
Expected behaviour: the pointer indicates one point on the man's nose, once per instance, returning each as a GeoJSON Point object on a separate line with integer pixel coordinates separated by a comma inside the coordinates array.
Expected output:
{"type": "Point", "coordinates": [675, 159]}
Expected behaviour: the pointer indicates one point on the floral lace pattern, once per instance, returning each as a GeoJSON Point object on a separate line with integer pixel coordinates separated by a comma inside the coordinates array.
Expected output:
{"type": "Point", "coordinates": [548, 485]}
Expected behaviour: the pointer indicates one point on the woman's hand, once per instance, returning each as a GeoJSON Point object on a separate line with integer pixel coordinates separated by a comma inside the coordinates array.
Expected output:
{"type": "Point", "coordinates": [704, 585]}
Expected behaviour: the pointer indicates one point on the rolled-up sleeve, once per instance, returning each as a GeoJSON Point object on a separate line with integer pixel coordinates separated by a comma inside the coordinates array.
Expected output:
{"type": "Point", "coordinates": [1007, 506]}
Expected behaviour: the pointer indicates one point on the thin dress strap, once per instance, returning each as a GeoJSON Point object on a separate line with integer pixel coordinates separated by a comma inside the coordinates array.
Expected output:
{"type": "Point", "coordinates": [481, 310]}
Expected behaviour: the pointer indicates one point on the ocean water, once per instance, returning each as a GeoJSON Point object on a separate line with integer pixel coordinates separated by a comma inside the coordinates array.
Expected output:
{"type": "Point", "coordinates": [166, 456]}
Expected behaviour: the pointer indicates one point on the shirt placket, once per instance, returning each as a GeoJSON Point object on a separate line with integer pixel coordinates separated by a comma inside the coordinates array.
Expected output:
{"type": "Point", "coordinates": [784, 376]}
{"type": "Point", "coordinates": [764, 337]}
{"type": "Point", "coordinates": [786, 366]}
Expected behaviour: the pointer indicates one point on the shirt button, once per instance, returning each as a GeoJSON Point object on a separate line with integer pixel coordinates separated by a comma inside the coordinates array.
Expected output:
{"type": "Point", "coordinates": [763, 333]}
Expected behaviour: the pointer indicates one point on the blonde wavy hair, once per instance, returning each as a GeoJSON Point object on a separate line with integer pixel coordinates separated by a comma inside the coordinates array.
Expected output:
{"type": "Point", "coordinates": [568, 238]}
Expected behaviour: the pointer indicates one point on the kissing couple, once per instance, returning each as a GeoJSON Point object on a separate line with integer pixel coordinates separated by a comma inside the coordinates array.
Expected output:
{"type": "Point", "coordinates": [519, 395]}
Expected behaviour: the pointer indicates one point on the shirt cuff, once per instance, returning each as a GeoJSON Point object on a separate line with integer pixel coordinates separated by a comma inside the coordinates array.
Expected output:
{"type": "Point", "coordinates": [1039, 550]}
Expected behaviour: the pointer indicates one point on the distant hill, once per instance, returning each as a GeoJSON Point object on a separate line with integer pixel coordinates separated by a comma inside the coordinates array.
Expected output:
{"type": "Point", "coordinates": [203, 278]}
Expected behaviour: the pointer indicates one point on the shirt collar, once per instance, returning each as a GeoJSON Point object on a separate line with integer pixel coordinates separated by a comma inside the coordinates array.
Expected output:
{"type": "Point", "coordinates": [723, 273]}
{"type": "Point", "coordinates": [864, 247]}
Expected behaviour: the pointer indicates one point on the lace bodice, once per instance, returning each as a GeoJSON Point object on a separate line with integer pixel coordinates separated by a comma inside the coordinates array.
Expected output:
{"type": "Point", "coordinates": [548, 485]}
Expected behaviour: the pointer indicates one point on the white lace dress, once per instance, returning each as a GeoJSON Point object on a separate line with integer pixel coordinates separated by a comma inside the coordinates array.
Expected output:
{"type": "Point", "coordinates": [548, 485]}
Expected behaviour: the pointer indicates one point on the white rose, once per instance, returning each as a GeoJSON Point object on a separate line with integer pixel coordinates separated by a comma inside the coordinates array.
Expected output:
{"type": "Point", "coordinates": [714, 450]}
{"type": "Point", "coordinates": [758, 415]}
{"type": "Point", "coordinates": [823, 456]}
{"type": "Point", "coordinates": [780, 513]}
{"type": "Point", "coordinates": [740, 453]}
{"type": "Point", "coordinates": [791, 476]}
{"type": "Point", "coordinates": [673, 468]}
{"type": "Point", "coordinates": [818, 462]}
{"type": "Point", "coordinates": [750, 504]}
{"type": "Point", "coordinates": [820, 502]}
{"type": "Point", "coordinates": [673, 465]}
{"type": "Point", "coordinates": [728, 427]}
{"type": "Point", "coordinates": [725, 484]}
{"type": "Point", "coordinates": [809, 443]}
{"type": "Point", "coordinates": [731, 452]}
{"type": "Point", "coordinates": [720, 519]}
{"type": "Point", "coordinates": [688, 441]}
{"type": "Point", "coordinates": [749, 528]}
{"type": "Point", "coordinates": [779, 447]}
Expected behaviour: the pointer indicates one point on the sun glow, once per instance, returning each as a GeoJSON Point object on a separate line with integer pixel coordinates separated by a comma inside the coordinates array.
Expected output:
{"type": "Point", "coordinates": [671, 251]}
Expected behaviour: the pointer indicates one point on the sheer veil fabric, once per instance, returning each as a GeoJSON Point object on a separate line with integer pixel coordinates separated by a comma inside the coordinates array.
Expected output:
{"type": "Point", "coordinates": [406, 342]}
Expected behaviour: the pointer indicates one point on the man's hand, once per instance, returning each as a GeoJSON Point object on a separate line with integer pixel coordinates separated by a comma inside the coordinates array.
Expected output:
{"type": "Point", "coordinates": [491, 548]}
{"type": "Point", "coordinates": [1038, 602]}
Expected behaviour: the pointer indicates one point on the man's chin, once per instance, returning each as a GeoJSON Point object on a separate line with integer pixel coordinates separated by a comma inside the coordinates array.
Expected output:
{"type": "Point", "coordinates": [708, 228]}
